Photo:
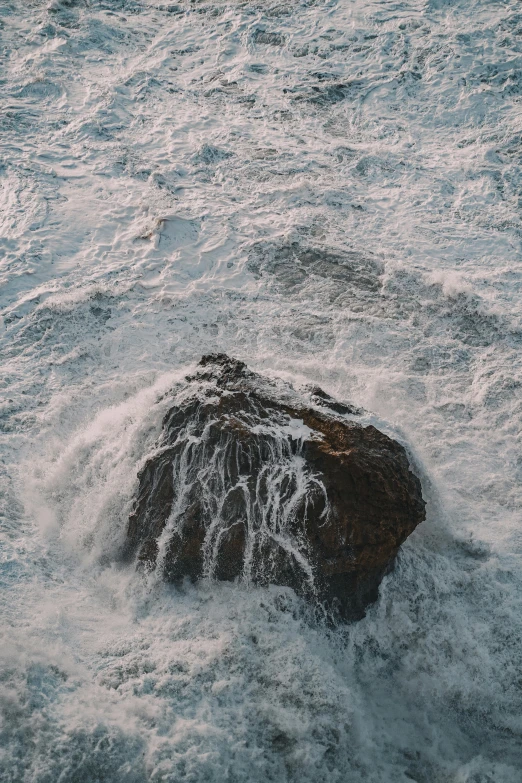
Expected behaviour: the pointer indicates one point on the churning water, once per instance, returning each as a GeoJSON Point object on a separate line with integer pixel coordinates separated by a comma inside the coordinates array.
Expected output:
{"type": "Point", "coordinates": [329, 190]}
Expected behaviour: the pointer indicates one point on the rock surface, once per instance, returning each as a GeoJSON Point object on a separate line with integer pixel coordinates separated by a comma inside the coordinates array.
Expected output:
{"type": "Point", "coordinates": [254, 481]}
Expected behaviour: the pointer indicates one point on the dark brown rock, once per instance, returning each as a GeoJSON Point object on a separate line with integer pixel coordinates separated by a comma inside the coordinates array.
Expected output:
{"type": "Point", "coordinates": [254, 481]}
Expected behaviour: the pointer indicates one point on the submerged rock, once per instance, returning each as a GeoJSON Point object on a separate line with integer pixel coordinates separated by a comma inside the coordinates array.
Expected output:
{"type": "Point", "coordinates": [254, 481]}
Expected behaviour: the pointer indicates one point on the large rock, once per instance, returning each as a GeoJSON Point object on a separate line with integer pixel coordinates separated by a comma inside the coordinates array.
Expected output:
{"type": "Point", "coordinates": [255, 482]}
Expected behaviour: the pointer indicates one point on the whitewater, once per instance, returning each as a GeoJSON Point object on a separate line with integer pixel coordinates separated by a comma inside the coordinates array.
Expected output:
{"type": "Point", "coordinates": [330, 191]}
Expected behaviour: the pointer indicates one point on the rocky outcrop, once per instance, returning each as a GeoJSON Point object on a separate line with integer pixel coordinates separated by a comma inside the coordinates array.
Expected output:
{"type": "Point", "coordinates": [256, 482]}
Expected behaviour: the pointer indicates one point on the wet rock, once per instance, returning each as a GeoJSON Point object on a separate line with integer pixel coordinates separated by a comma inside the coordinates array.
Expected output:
{"type": "Point", "coordinates": [321, 398]}
{"type": "Point", "coordinates": [256, 482]}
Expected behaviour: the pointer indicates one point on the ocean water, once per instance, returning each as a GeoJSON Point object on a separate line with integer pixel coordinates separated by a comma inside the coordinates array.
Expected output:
{"type": "Point", "coordinates": [331, 191]}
